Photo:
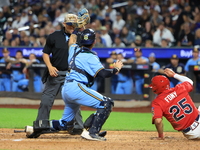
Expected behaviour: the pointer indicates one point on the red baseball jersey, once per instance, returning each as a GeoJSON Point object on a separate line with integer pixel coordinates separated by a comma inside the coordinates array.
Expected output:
{"type": "Point", "coordinates": [176, 106]}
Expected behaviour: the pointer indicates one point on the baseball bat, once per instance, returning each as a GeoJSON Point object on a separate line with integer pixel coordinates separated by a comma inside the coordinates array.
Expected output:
{"type": "Point", "coordinates": [19, 131]}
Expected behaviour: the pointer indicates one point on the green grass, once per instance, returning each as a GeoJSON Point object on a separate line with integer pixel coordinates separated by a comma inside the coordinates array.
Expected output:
{"type": "Point", "coordinates": [18, 118]}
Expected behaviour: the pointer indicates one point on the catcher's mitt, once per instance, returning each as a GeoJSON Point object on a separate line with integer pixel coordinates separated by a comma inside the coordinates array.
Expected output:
{"type": "Point", "coordinates": [83, 18]}
{"type": "Point", "coordinates": [82, 12]}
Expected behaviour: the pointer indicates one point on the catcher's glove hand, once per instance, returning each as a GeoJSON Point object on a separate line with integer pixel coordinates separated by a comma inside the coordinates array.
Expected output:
{"type": "Point", "coordinates": [82, 12]}
{"type": "Point", "coordinates": [83, 18]}
{"type": "Point", "coordinates": [81, 21]}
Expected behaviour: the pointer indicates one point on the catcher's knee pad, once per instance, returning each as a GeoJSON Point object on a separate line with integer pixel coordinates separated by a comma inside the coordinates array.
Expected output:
{"type": "Point", "coordinates": [108, 103]}
{"type": "Point", "coordinates": [41, 125]}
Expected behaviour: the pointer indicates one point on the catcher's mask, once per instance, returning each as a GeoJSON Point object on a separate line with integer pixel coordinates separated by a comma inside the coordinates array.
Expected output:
{"type": "Point", "coordinates": [87, 37]}
{"type": "Point", "coordinates": [70, 19]}
{"type": "Point", "coordinates": [159, 83]}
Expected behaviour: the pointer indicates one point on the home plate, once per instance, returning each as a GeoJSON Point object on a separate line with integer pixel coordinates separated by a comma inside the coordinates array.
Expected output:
{"type": "Point", "coordinates": [17, 140]}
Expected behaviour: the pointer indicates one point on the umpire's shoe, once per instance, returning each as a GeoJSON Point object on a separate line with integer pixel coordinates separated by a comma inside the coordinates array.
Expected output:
{"type": "Point", "coordinates": [37, 133]}
{"type": "Point", "coordinates": [33, 135]}
{"type": "Point", "coordinates": [30, 133]}
{"type": "Point", "coordinates": [94, 137]}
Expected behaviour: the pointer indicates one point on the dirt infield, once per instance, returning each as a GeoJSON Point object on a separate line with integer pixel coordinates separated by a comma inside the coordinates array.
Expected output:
{"type": "Point", "coordinates": [116, 140]}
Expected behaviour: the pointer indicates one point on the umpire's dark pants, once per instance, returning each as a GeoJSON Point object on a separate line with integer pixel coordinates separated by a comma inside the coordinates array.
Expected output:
{"type": "Point", "coordinates": [53, 85]}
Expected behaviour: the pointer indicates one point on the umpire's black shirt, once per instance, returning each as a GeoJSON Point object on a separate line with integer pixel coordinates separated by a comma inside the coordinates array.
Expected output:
{"type": "Point", "coordinates": [57, 45]}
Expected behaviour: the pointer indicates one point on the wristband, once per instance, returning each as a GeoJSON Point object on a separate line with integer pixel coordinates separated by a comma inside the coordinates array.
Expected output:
{"type": "Point", "coordinates": [76, 30]}
{"type": "Point", "coordinates": [174, 75]}
{"type": "Point", "coordinates": [160, 135]}
{"type": "Point", "coordinates": [117, 69]}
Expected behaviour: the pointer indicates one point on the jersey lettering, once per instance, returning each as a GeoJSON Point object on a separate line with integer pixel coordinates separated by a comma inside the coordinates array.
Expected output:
{"type": "Point", "coordinates": [170, 97]}
{"type": "Point", "coordinates": [178, 111]}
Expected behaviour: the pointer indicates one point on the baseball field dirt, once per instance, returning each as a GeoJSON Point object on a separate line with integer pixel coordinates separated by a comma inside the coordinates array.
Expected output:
{"type": "Point", "coordinates": [116, 140]}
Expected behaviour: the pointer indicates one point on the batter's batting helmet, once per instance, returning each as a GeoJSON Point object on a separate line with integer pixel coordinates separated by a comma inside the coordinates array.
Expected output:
{"type": "Point", "coordinates": [159, 84]}
{"type": "Point", "coordinates": [87, 37]}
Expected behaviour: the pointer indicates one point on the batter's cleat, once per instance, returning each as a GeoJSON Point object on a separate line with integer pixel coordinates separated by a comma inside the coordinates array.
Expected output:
{"type": "Point", "coordinates": [93, 137]}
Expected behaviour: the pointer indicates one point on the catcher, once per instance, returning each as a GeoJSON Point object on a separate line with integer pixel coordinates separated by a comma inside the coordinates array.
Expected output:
{"type": "Point", "coordinates": [175, 104]}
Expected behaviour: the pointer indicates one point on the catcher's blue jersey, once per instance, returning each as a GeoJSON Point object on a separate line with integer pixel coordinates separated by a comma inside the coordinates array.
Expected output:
{"type": "Point", "coordinates": [85, 61]}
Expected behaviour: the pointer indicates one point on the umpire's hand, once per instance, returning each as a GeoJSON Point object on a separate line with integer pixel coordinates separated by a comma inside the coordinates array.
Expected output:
{"type": "Point", "coordinates": [53, 71]}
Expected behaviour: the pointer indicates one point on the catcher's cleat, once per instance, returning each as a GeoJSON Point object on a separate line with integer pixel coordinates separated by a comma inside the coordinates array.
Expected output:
{"type": "Point", "coordinates": [97, 137]}
{"type": "Point", "coordinates": [93, 137]}
{"type": "Point", "coordinates": [103, 133]}
{"type": "Point", "coordinates": [79, 131]}
{"type": "Point", "coordinates": [76, 131]}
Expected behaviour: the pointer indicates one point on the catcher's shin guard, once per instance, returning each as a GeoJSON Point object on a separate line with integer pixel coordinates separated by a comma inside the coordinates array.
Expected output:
{"type": "Point", "coordinates": [88, 122]}
{"type": "Point", "coordinates": [101, 115]}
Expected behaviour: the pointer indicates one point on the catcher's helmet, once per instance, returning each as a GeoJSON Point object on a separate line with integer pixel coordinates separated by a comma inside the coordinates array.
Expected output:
{"type": "Point", "coordinates": [87, 37]}
{"type": "Point", "coordinates": [159, 84]}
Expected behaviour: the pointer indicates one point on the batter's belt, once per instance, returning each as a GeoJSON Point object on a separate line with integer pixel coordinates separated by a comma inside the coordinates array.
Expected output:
{"type": "Point", "coordinates": [193, 126]}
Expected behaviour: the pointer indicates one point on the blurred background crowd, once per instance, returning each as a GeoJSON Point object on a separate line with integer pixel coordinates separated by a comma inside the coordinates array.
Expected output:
{"type": "Point", "coordinates": [117, 23]}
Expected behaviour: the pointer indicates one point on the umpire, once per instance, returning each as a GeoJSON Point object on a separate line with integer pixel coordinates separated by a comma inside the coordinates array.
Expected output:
{"type": "Point", "coordinates": [54, 75]}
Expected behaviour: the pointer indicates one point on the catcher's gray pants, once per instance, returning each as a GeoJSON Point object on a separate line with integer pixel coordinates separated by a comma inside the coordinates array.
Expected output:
{"type": "Point", "coordinates": [52, 87]}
